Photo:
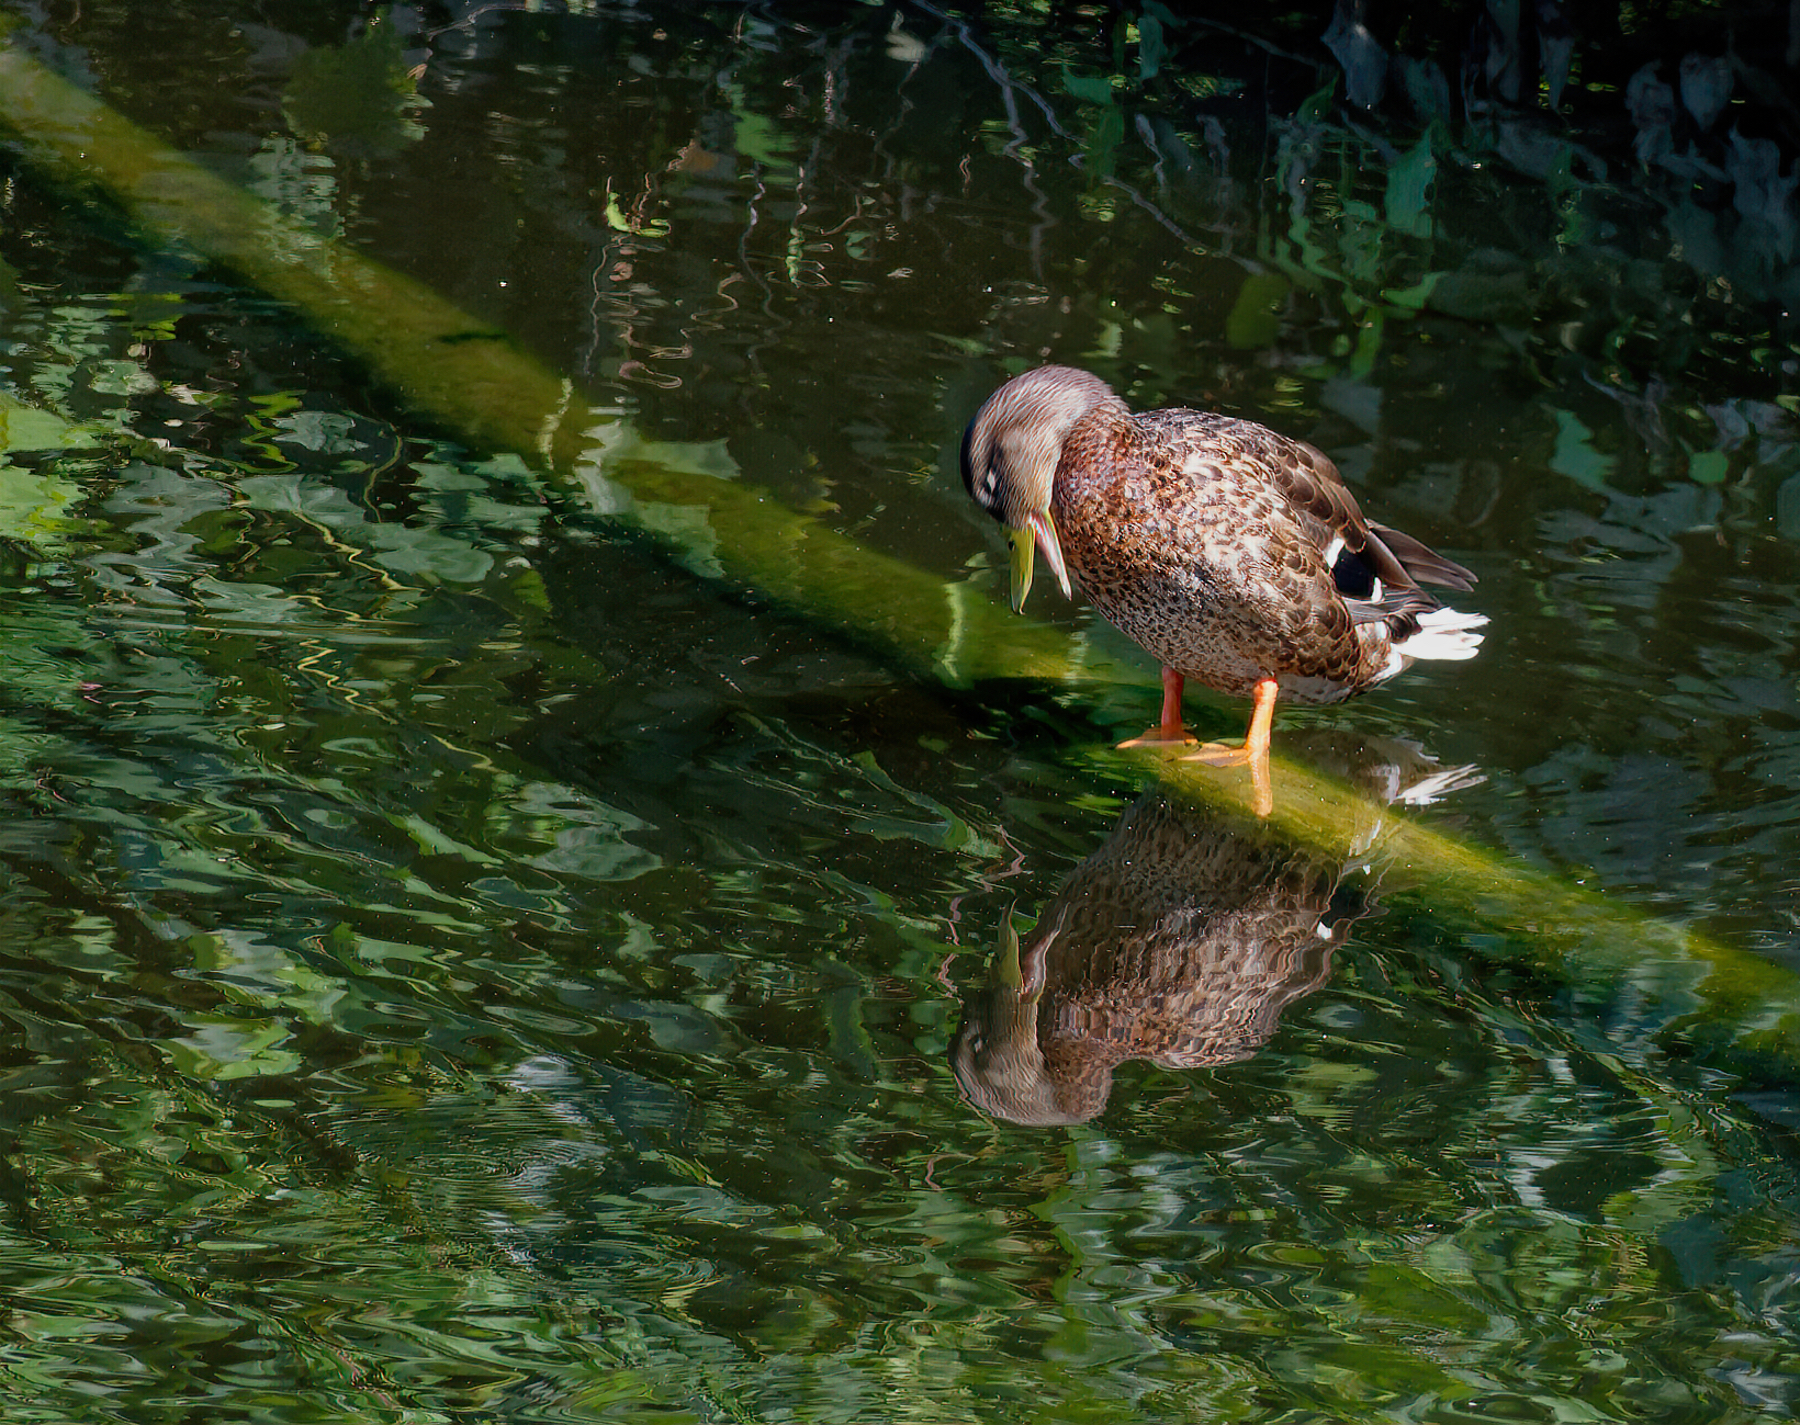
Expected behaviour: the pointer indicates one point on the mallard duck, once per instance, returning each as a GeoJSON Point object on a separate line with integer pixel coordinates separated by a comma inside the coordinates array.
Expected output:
{"type": "Point", "coordinates": [1234, 555]}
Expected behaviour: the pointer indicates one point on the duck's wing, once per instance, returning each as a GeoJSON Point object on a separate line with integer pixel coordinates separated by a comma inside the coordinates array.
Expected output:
{"type": "Point", "coordinates": [1312, 485]}
{"type": "Point", "coordinates": [1421, 562]}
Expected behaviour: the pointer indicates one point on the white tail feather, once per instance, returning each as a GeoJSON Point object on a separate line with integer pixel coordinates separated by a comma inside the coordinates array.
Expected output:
{"type": "Point", "coordinates": [1443, 633]}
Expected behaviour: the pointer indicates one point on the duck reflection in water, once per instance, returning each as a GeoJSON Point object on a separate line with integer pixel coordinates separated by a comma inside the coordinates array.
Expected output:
{"type": "Point", "coordinates": [1179, 941]}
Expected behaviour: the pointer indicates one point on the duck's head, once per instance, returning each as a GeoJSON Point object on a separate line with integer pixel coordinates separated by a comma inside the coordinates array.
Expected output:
{"type": "Point", "coordinates": [1009, 459]}
{"type": "Point", "coordinates": [998, 1059]}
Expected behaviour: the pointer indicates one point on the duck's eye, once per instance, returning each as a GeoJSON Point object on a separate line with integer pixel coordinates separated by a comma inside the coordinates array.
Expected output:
{"type": "Point", "coordinates": [978, 467]}
{"type": "Point", "coordinates": [986, 488]}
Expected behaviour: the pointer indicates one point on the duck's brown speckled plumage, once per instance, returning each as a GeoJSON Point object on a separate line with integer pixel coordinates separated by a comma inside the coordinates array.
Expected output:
{"type": "Point", "coordinates": [1179, 941]}
{"type": "Point", "coordinates": [1211, 541]}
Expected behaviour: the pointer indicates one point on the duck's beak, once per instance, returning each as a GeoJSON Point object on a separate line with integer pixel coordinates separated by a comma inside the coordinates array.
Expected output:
{"type": "Point", "coordinates": [1038, 532]}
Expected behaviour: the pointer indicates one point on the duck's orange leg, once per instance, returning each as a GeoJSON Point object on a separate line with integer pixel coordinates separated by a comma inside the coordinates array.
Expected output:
{"type": "Point", "coordinates": [1254, 751]}
{"type": "Point", "coordinates": [1171, 729]}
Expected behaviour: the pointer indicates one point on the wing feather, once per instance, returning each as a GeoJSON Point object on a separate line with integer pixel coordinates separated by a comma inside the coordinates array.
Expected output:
{"type": "Point", "coordinates": [1312, 483]}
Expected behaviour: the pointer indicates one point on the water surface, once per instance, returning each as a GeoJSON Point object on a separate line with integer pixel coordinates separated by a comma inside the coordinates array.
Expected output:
{"type": "Point", "coordinates": [461, 963]}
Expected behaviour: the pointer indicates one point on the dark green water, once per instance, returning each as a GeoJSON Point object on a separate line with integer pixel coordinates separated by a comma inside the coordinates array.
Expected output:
{"type": "Point", "coordinates": [458, 966]}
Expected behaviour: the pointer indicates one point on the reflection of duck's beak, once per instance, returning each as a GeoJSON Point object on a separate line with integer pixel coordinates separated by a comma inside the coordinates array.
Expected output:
{"type": "Point", "coordinates": [1023, 976]}
{"type": "Point", "coordinates": [1038, 532]}
{"type": "Point", "coordinates": [1006, 972]}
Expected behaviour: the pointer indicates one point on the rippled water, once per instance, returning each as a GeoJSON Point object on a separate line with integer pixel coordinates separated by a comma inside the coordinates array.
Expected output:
{"type": "Point", "coordinates": [460, 964]}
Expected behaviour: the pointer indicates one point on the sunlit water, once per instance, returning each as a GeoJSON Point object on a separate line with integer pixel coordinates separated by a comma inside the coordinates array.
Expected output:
{"type": "Point", "coordinates": [459, 966]}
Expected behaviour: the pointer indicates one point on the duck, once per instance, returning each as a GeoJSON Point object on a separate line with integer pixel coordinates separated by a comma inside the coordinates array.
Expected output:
{"type": "Point", "coordinates": [1234, 555]}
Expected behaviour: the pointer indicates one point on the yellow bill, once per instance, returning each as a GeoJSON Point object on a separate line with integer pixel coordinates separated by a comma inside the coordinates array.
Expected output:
{"type": "Point", "coordinates": [1038, 532]}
